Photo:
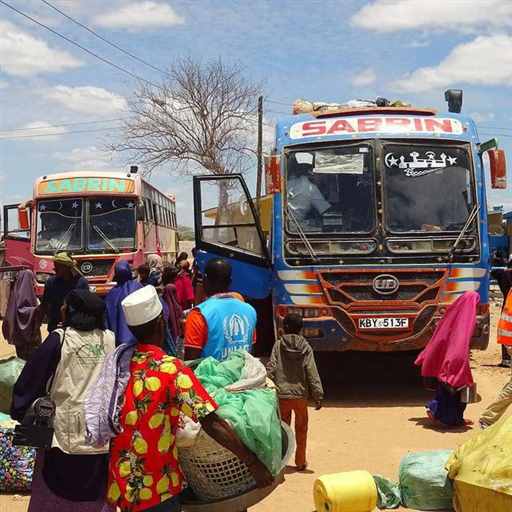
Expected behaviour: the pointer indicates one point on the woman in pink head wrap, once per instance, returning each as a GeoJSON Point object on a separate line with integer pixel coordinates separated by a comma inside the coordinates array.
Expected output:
{"type": "Point", "coordinates": [446, 358]}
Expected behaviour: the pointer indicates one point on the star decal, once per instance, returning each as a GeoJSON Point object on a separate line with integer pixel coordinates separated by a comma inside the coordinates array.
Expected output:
{"type": "Point", "coordinates": [99, 206]}
{"type": "Point", "coordinates": [130, 205]}
{"type": "Point", "coordinates": [76, 204]}
{"type": "Point", "coordinates": [393, 161]}
{"type": "Point", "coordinates": [42, 207]}
{"type": "Point", "coordinates": [452, 160]}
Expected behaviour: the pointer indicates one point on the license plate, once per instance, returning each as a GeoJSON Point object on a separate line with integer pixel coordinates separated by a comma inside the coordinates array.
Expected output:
{"type": "Point", "coordinates": [384, 323]}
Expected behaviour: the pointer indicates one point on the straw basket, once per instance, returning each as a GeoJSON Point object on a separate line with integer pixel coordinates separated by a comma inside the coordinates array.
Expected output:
{"type": "Point", "coordinates": [214, 473]}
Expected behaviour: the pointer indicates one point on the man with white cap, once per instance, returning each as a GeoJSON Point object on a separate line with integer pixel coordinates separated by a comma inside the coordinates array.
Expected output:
{"type": "Point", "coordinates": [144, 472]}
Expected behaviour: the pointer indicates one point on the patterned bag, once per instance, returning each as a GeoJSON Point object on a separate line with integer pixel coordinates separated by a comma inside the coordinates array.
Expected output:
{"type": "Point", "coordinates": [16, 464]}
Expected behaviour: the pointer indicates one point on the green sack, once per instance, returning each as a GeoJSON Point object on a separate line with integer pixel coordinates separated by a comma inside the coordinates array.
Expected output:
{"type": "Point", "coordinates": [424, 481]}
{"type": "Point", "coordinates": [388, 493]}
{"type": "Point", "coordinates": [252, 414]}
{"type": "Point", "coordinates": [10, 370]}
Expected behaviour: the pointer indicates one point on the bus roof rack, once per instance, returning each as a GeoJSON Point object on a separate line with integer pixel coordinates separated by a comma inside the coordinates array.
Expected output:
{"type": "Point", "coordinates": [349, 111]}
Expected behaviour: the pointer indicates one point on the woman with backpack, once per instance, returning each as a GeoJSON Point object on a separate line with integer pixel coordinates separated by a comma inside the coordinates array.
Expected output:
{"type": "Point", "coordinates": [71, 476]}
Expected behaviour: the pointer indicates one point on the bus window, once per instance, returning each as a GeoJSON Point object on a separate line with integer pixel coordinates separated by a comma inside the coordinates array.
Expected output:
{"type": "Point", "coordinates": [227, 217]}
{"type": "Point", "coordinates": [59, 225]}
{"type": "Point", "coordinates": [111, 224]}
{"type": "Point", "coordinates": [147, 210]}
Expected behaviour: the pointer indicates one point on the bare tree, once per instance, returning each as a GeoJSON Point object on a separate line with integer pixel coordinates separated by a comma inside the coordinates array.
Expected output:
{"type": "Point", "coordinates": [202, 118]}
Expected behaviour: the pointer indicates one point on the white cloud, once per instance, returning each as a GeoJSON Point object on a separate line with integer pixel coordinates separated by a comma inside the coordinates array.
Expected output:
{"type": "Point", "coordinates": [139, 16]}
{"type": "Point", "coordinates": [483, 61]}
{"type": "Point", "coordinates": [89, 158]}
{"type": "Point", "coordinates": [21, 54]}
{"type": "Point", "coordinates": [87, 99]}
{"type": "Point", "coordinates": [365, 77]}
{"type": "Point", "coordinates": [35, 131]}
{"type": "Point", "coordinates": [391, 15]}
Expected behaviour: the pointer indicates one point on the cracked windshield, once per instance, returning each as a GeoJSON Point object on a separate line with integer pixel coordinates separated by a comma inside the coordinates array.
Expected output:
{"type": "Point", "coordinates": [110, 225]}
{"type": "Point", "coordinates": [331, 191]}
{"type": "Point", "coordinates": [59, 225]}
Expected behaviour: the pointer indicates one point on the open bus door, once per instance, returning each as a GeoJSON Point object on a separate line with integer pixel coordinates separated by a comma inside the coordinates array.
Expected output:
{"type": "Point", "coordinates": [17, 235]}
{"type": "Point", "coordinates": [227, 226]}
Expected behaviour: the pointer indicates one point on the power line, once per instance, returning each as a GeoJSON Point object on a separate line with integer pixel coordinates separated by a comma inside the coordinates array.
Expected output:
{"type": "Point", "coordinates": [104, 39]}
{"type": "Point", "coordinates": [78, 45]}
{"type": "Point", "coordinates": [52, 125]}
{"type": "Point", "coordinates": [56, 134]}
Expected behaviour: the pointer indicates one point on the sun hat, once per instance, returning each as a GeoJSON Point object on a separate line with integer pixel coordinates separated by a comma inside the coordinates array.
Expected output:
{"type": "Point", "coordinates": [142, 306]}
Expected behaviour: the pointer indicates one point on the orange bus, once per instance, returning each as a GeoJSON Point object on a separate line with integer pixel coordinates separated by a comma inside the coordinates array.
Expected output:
{"type": "Point", "coordinates": [99, 217]}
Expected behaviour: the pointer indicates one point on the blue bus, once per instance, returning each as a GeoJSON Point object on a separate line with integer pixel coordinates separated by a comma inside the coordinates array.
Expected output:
{"type": "Point", "coordinates": [375, 221]}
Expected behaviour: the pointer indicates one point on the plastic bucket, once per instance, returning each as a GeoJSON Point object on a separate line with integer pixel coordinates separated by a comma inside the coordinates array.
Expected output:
{"type": "Point", "coordinates": [353, 491]}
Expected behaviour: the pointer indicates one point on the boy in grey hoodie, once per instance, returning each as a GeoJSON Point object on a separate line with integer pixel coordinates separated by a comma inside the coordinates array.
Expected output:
{"type": "Point", "coordinates": [293, 368]}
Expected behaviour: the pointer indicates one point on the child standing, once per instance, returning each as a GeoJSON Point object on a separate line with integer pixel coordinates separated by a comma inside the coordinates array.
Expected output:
{"type": "Point", "coordinates": [293, 369]}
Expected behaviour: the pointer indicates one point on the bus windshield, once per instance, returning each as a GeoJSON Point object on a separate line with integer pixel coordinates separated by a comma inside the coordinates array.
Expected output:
{"type": "Point", "coordinates": [331, 190]}
{"type": "Point", "coordinates": [111, 224]}
{"type": "Point", "coordinates": [59, 225]}
{"type": "Point", "coordinates": [427, 188]}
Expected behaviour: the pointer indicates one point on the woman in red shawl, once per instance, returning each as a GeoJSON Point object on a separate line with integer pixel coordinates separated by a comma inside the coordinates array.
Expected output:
{"type": "Point", "coordinates": [184, 288]}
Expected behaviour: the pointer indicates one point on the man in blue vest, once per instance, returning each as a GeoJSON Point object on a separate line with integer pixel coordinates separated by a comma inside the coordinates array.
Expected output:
{"type": "Point", "coordinates": [222, 323]}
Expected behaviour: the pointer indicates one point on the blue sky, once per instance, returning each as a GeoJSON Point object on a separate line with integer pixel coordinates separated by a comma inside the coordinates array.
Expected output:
{"type": "Point", "coordinates": [330, 50]}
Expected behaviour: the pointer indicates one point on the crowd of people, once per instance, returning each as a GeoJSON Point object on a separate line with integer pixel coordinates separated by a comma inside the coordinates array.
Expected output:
{"type": "Point", "coordinates": [150, 322]}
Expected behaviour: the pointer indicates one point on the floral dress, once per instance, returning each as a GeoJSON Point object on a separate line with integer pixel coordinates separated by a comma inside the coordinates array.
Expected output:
{"type": "Point", "coordinates": [144, 469]}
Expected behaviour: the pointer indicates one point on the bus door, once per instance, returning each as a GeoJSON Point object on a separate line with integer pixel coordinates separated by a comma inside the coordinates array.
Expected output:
{"type": "Point", "coordinates": [227, 226]}
{"type": "Point", "coordinates": [17, 237]}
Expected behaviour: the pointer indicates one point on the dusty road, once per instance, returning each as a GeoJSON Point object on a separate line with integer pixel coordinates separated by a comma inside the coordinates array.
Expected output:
{"type": "Point", "coordinates": [374, 415]}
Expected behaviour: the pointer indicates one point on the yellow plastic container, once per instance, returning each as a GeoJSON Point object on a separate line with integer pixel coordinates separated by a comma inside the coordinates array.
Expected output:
{"type": "Point", "coordinates": [353, 491]}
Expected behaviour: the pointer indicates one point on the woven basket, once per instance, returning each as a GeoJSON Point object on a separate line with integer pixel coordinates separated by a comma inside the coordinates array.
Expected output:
{"type": "Point", "coordinates": [214, 473]}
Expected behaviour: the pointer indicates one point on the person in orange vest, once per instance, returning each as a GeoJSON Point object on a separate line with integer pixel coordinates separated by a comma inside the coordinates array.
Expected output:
{"type": "Point", "coordinates": [496, 410]}
{"type": "Point", "coordinates": [503, 277]}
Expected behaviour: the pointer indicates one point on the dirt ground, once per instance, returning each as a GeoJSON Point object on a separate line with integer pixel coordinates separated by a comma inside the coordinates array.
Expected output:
{"type": "Point", "coordinates": [374, 415]}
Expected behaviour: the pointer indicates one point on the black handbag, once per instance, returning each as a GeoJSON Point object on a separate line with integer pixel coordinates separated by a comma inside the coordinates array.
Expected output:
{"type": "Point", "coordinates": [36, 429]}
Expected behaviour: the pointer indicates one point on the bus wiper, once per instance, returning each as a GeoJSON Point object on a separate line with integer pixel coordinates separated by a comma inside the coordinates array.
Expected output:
{"type": "Point", "coordinates": [302, 234]}
{"type": "Point", "coordinates": [471, 218]}
{"type": "Point", "coordinates": [105, 238]}
{"type": "Point", "coordinates": [63, 241]}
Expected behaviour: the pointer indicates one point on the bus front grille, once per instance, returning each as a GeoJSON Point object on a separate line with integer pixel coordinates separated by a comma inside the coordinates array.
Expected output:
{"type": "Point", "coordinates": [353, 289]}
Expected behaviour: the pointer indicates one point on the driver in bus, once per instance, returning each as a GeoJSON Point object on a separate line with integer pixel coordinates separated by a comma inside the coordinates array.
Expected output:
{"type": "Point", "coordinates": [304, 197]}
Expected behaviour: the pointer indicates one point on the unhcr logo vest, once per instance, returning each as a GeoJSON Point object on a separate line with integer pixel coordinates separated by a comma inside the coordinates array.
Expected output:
{"type": "Point", "coordinates": [231, 324]}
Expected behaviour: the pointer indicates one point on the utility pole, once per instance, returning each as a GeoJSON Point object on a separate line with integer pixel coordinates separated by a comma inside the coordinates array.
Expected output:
{"type": "Point", "coordinates": [259, 151]}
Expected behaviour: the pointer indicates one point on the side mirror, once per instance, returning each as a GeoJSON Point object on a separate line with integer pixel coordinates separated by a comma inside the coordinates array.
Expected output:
{"type": "Point", "coordinates": [23, 220]}
{"type": "Point", "coordinates": [498, 165]}
{"type": "Point", "coordinates": [454, 99]}
{"type": "Point", "coordinates": [141, 215]}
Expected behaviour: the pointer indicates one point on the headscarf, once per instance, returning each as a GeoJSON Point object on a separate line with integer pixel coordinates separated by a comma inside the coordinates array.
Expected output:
{"type": "Point", "coordinates": [125, 285]}
{"type": "Point", "coordinates": [155, 262]}
{"type": "Point", "coordinates": [64, 259]}
{"type": "Point", "coordinates": [155, 269]}
{"type": "Point", "coordinates": [85, 311]}
{"type": "Point", "coordinates": [19, 325]}
{"type": "Point", "coordinates": [446, 356]}
{"type": "Point", "coordinates": [175, 310]}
